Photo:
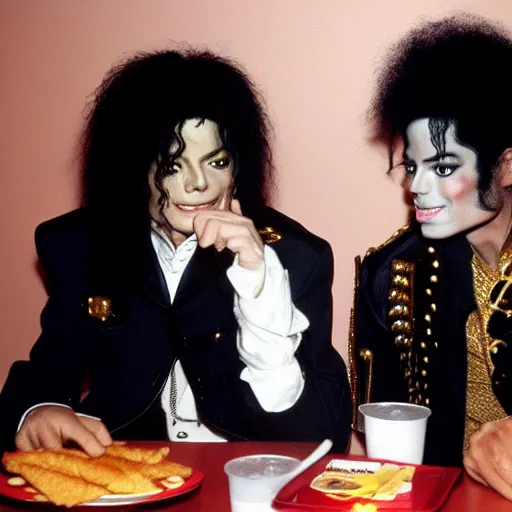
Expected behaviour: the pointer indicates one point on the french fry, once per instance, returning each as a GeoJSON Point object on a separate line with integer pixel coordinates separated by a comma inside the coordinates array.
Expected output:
{"type": "Point", "coordinates": [383, 484]}
{"type": "Point", "coordinates": [389, 490]}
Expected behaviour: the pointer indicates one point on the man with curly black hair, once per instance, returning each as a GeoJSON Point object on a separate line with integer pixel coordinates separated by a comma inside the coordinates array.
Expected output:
{"type": "Point", "coordinates": [431, 302]}
{"type": "Point", "coordinates": [180, 305]}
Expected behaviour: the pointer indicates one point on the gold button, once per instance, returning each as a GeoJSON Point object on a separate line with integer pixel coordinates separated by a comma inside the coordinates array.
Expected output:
{"type": "Point", "coordinates": [433, 278]}
{"type": "Point", "coordinates": [401, 326]}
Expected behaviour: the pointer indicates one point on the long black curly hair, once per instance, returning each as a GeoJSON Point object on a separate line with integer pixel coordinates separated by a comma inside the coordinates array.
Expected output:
{"type": "Point", "coordinates": [132, 122]}
{"type": "Point", "coordinates": [454, 71]}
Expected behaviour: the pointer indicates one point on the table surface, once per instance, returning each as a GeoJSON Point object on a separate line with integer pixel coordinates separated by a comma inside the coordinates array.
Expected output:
{"type": "Point", "coordinates": [213, 495]}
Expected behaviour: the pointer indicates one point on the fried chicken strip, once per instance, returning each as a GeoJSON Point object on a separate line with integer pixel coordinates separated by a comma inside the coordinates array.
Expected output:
{"type": "Point", "coordinates": [94, 471]}
{"type": "Point", "coordinates": [138, 454]}
{"type": "Point", "coordinates": [158, 471]}
{"type": "Point", "coordinates": [60, 488]}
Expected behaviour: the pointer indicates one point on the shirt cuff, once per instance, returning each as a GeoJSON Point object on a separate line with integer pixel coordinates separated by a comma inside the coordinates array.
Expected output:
{"type": "Point", "coordinates": [276, 390]}
{"type": "Point", "coordinates": [247, 283]}
{"type": "Point", "coordinates": [272, 308]}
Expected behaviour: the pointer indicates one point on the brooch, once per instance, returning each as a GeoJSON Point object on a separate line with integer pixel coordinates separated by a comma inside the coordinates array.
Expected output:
{"type": "Point", "coordinates": [100, 307]}
{"type": "Point", "coordinates": [269, 235]}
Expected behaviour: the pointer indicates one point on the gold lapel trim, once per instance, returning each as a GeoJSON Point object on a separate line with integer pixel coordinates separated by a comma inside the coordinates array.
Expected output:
{"type": "Point", "coordinates": [398, 233]}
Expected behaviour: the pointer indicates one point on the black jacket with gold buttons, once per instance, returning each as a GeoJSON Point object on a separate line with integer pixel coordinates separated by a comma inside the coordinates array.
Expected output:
{"type": "Point", "coordinates": [112, 326]}
{"type": "Point", "coordinates": [408, 338]}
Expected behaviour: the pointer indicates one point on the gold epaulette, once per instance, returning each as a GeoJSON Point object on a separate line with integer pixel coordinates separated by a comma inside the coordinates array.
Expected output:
{"type": "Point", "coordinates": [398, 233]}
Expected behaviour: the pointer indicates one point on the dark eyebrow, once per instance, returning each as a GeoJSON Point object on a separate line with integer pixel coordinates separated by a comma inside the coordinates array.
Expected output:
{"type": "Point", "coordinates": [213, 153]}
{"type": "Point", "coordinates": [440, 156]}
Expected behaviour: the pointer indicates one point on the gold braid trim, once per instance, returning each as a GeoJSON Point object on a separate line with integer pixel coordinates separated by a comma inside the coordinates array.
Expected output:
{"type": "Point", "coordinates": [365, 356]}
{"type": "Point", "coordinates": [352, 369]}
{"type": "Point", "coordinates": [398, 233]}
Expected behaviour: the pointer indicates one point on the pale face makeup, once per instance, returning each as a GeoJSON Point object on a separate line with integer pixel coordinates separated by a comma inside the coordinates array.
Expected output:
{"type": "Point", "coordinates": [444, 186]}
{"type": "Point", "coordinates": [202, 180]}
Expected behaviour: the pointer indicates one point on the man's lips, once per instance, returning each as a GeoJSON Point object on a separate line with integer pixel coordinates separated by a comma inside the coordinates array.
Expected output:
{"type": "Point", "coordinates": [196, 207]}
{"type": "Point", "coordinates": [426, 214]}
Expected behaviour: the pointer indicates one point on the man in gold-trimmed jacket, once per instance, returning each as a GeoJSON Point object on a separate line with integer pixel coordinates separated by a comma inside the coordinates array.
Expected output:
{"type": "Point", "coordinates": [432, 320]}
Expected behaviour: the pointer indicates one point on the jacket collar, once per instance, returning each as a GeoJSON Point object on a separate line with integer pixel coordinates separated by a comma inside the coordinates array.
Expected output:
{"type": "Point", "coordinates": [205, 267]}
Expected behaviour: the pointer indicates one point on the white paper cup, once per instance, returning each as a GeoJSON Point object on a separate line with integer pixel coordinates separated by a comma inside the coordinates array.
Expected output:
{"type": "Point", "coordinates": [254, 480]}
{"type": "Point", "coordinates": [395, 431]}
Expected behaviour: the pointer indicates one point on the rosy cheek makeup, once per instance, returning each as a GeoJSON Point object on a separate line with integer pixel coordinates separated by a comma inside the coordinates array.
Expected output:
{"type": "Point", "coordinates": [458, 188]}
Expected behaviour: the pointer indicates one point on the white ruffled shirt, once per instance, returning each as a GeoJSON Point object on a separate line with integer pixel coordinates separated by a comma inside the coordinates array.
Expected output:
{"type": "Point", "coordinates": [270, 331]}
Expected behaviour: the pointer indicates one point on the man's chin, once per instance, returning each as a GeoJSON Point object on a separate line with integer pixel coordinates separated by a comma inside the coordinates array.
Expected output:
{"type": "Point", "coordinates": [437, 232]}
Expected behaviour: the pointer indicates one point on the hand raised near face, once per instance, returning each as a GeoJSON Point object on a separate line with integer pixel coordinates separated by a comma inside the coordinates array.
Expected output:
{"type": "Point", "coordinates": [489, 456]}
{"type": "Point", "coordinates": [230, 229]}
{"type": "Point", "coordinates": [50, 426]}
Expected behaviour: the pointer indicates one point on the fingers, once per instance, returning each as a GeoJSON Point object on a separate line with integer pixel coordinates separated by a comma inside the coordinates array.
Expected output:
{"type": "Point", "coordinates": [485, 474]}
{"type": "Point", "coordinates": [235, 207]}
{"type": "Point", "coordinates": [202, 219]}
{"type": "Point", "coordinates": [84, 438]}
{"type": "Point", "coordinates": [25, 442]}
{"type": "Point", "coordinates": [488, 459]}
{"type": "Point", "coordinates": [49, 438]}
{"type": "Point", "coordinates": [51, 426]}
{"type": "Point", "coordinates": [232, 231]}
{"type": "Point", "coordinates": [97, 428]}
{"type": "Point", "coordinates": [36, 432]}
{"type": "Point", "coordinates": [472, 470]}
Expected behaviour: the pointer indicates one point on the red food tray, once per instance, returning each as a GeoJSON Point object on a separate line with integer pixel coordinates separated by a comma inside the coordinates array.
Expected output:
{"type": "Point", "coordinates": [431, 485]}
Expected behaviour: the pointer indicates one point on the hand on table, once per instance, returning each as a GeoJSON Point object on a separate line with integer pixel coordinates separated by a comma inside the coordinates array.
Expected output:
{"type": "Point", "coordinates": [50, 426]}
{"type": "Point", "coordinates": [489, 456]}
{"type": "Point", "coordinates": [231, 230]}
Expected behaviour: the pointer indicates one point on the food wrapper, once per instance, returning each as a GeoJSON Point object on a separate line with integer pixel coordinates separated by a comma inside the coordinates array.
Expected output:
{"type": "Point", "coordinates": [344, 480]}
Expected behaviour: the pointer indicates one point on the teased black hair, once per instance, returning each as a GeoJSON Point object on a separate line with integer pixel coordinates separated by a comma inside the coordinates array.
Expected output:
{"type": "Point", "coordinates": [131, 125]}
{"type": "Point", "coordinates": [452, 71]}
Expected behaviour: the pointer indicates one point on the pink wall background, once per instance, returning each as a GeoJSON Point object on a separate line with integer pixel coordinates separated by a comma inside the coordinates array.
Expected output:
{"type": "Point", "coordinates": [314, 60]}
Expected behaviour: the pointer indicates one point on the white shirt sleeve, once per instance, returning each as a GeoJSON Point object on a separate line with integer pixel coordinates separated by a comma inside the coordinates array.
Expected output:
{"type": "Point", "coordinates": [270, 331]}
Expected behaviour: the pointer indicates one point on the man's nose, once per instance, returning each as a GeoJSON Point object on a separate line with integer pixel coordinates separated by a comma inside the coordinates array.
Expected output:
{"type": "Point", "coordinates": [195, 179]}
{"type": "Point", "coordinates": [421, 182]}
